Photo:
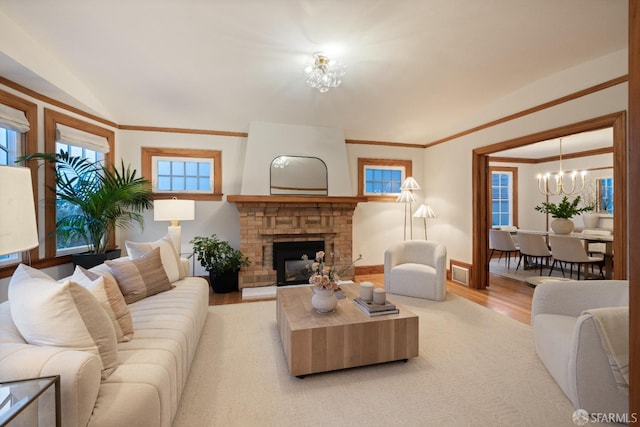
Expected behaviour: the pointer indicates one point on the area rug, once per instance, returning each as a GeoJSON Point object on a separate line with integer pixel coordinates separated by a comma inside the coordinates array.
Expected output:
{"type": "Point", "coordinates": [475, 368]}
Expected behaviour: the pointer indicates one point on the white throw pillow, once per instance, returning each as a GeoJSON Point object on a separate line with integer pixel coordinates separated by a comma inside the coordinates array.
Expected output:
{"type": "Point", "coordinates": [65, 315]}
{"type": "Point", "coordinates": [168, 254]}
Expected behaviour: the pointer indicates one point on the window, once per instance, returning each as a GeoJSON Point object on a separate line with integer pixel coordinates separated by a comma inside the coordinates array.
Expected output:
{"type": "Point", "coordinates": [184, 172]}
{"type": "Point", "coordinates": [64, 208]}
{"type": "Point", "coordinates": [503, 196]}
{"type": "Point", "coordinates": [605, 195]}
{"type": "Point", "coordinates": [79, 138]}
{"type": "Point", "coordinates": [182, 175]}
{"type": "Point", "coordinates": [380, 179]}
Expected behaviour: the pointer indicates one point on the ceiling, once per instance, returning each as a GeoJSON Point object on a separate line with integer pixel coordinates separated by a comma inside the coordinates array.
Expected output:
{"type": "Point", "coordinates": [575, 143]}
{"type": "Point", "coordinates": [416, 68]}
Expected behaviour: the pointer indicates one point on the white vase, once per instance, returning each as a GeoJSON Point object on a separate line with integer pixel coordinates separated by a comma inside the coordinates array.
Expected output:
{"type": "Point", "coordinates": [562, 226]}
{"type": "Point", "coordinates": [324, 300]}
{"type": "Point", "coordinates": [590, 219]}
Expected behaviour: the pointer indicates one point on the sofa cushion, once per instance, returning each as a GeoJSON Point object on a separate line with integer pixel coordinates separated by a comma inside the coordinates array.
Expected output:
{"type": "Point", "coordinates": [113, 302]}
{"type": "Point", "coordinates": [66, 315]}
{"type": "Point", "coordinates": [141, 277]}
{"type": "Point", "coordinates": [168, 255]}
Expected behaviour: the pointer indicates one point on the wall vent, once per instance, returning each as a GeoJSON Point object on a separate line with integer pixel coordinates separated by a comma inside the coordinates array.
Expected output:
{"type": "Point", "coordinates": [460, 274]}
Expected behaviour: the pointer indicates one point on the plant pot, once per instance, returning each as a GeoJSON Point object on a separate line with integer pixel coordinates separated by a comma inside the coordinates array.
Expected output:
{"type": "Point", "coordinates": [562, 226]}
{"type": "Point", "coordinates": [590, 219]}
{"type": "Point", "coordinates": [88, 260]}
{"type": "Point", "coordinates": [225, 282]}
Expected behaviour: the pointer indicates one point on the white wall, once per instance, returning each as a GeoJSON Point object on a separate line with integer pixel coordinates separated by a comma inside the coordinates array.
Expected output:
{"type": "Point", "coordinates": [269, 140]}
{"type": "Point", "coordinates": [449, 164]}
{"type": "Point", "coordinates": [377, 225]}
{"type": "Point", "coordinates": [529, 196]}
{"type": "Point", "coordinates": [219, 217]}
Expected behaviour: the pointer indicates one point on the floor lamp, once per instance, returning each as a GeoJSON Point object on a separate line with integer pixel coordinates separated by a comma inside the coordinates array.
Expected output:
{"type": "Point", "coordinates": [424, 211]}
{"type": "Point", "coordinates": [174, 210]}
{"type": "Point", "coordinates": [406, 196]}
{"type": "Point", "coordinates": [18, 227]}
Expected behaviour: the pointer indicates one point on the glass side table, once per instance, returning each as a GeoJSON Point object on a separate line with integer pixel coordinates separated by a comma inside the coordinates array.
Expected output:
{"type": "Point", "coordinates": [31, 402]}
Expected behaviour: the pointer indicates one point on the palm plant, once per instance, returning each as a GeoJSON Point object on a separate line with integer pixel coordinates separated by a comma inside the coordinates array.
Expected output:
{"type": "Point", "coordinates": [101, 198]}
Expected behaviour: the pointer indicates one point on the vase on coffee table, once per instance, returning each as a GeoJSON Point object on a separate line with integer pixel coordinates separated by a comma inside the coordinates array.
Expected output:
{"type": "Point", "coordinates": [324, 300]}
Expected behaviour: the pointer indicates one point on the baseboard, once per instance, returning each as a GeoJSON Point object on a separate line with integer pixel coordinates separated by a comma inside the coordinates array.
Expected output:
{"type": "Point", "coordinates": [368, 269]}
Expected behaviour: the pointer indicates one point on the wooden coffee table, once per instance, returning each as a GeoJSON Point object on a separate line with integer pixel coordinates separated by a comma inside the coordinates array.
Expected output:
{"type": "Point", "coordinates": [319, 342]}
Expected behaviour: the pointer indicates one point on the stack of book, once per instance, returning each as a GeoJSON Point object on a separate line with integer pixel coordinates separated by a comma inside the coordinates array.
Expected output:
{"type": "Point", "coordinates": [372, 309]}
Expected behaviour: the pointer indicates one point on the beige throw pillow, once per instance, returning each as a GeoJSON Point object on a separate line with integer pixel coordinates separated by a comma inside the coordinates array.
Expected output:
{"type": "Point", "coordinates": [114, 303]}
{"type": "Point", "coordinates": [65, 314]}
{"type": "Point", "coordinates": [140, 277]}
{"type": "Point", "coordinates": [168, 254]}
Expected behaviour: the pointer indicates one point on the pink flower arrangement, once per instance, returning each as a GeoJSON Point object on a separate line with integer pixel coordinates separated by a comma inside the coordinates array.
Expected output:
{"type": "Point", "coordinates": [325, 277]}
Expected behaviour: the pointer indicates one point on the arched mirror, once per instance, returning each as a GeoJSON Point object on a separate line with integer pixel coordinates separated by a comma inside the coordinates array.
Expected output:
{"type": "Point", "coordinates": [298, 175]}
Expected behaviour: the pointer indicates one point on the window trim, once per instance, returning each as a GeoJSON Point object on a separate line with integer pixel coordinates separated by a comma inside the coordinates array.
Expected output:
{"type": "Point", "coordinates": [362, 162]}
{"type": "Point", "coordinates": [51, 119]}
{"type": "Point", "coordinates": [29, 144]}
{"type": "Point", "coordinates": [514, 191]}
{"type": "Point", "coordinates": [147, 154]}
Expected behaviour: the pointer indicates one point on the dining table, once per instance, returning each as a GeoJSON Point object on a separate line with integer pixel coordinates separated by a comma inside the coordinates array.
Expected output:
{"type": "Point", "coordinates": [587, 238]}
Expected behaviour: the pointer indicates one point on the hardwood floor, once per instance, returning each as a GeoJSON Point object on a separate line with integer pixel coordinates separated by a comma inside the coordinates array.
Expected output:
{"type": "Point", "coordinates": [505, 296]}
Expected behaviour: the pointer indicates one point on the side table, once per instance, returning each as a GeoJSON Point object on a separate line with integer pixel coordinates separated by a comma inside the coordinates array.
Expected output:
{"type": "Point", "coordinates": [21, 400]}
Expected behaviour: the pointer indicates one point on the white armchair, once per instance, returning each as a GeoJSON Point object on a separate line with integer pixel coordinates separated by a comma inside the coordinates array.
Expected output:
{"type": "Point", "coordinates": [569, 345]}
{"type": "Point", "coordinates": [416, 268]}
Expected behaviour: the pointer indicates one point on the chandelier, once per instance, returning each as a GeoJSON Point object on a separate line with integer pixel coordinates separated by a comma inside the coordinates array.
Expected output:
{"type": "Point", "coordinates": [324, 73]}
{"type": "Point", "coordinates": [545, 188]}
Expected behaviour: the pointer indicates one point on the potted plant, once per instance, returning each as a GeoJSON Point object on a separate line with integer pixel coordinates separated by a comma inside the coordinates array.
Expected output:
{"type": "Point", "coordinates": [563, 212]}
{"type": "Point", "coordinates": [221, 260]}
{"type": "Point", "coordinates": [92, 200]}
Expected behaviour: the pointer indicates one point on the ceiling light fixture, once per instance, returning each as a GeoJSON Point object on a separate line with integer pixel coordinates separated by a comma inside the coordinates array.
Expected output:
{"type": "Point", "coordinates": [324, 73]}
{"type": "Point", "coordinates": [543, 181]}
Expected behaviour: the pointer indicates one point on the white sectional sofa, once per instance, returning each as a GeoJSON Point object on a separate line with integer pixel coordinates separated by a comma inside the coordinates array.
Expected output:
{"type": "Point", "coordinates": [152, 368]}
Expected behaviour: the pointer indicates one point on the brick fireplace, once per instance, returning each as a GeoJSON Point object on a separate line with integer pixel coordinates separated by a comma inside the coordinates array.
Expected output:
{"type": "Point", "coordinates": [268, 219]}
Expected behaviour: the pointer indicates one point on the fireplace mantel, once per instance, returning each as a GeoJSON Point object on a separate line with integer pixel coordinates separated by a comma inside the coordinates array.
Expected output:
{"type": "Point", "coordinates": [235, 198]}
{"type": "Point", "coordinates": [268, 219]}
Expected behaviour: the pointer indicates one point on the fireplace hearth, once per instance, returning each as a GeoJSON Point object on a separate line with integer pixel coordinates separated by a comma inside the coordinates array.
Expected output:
{"type": "Point", "coordinates": [290, 268]}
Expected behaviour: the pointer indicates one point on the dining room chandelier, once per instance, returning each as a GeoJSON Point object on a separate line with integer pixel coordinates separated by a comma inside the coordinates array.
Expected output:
{"type": "Point", "coordinates": [324, 73]}
{"type": "Point", "coordinates": [576, 186]}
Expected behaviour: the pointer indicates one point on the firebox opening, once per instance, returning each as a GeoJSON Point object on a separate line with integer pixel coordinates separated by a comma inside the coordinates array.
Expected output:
{"type": "Point", "coordinates": [288, 263]}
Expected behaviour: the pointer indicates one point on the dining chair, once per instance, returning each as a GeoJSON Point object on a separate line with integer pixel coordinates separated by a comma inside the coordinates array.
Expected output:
{"type": "Point", "coordinates": [501, 241]}
{"type": "Point", "coordinates": [570, 250]}
{"type": "Point", "coordinates": [533, 246]}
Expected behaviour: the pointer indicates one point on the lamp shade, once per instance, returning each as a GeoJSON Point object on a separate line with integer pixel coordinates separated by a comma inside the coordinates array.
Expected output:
{"type": "Point", "coordinates": [406, 196]}
{"type": "Point", "coordinates": [174, 210]}
{"type": "Point", "coordinates": [424, 211]}
{"type": "Point", "coordinates": [410, 184]}
{"type": "Point", "coordinates": [18, 227]}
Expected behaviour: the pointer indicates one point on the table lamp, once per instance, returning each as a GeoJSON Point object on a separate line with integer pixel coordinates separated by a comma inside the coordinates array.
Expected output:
{"type": "Point", "coordinates": [174, 210]}
{"type": "Point", "coordinates": [18, 226]}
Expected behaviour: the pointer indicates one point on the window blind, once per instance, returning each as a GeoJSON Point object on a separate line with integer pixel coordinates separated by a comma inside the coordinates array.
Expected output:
{"type": "Point", "coordinates": [13, 119]}
{"type": "Point", "coordinates": [79, 138]}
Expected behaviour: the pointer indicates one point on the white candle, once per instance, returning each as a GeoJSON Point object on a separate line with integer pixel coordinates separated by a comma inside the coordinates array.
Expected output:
{"type": "Point", "coordinates": [366, 291]}
{"type": "Point", "coordinates": [379, 296]}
